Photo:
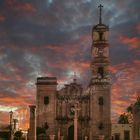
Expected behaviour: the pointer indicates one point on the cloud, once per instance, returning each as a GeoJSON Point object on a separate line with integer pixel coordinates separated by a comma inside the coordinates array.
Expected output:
{"type": "Point", "coordinates": [2, 18]}
{"type": "Point", "coordinates": [17, 6]}
{"type": "Point", "coordinates": [125, 88]}
{"type": "Point", "coordinates": [53, 38]}
{"type": "Point", "coordinates": [133, 42]}
{"type": "Point", "coordinates": [138, 28]}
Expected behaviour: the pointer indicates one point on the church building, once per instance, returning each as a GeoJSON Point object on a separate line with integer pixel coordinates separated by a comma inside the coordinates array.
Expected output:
{"type": "Point", "coordinates": [56, 108]}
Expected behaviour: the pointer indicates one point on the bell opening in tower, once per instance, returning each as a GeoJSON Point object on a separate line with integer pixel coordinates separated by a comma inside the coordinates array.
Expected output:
{"type": "Point", "coordinates": [101, 36]}
{"type": "Point", "coordinates": [101, 72]}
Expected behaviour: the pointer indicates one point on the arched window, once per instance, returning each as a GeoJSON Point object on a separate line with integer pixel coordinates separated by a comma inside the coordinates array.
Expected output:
{"type": "Point", "coordinates": [46, 100]}
{"type": "Point", "coordinates": [101, 101]}
{"type": "Point", "coordinates": [101, 126]}
{"type": "Point", "coordinates": [101, 35]}
{"type": "Point", "coordinates": [101, 71]}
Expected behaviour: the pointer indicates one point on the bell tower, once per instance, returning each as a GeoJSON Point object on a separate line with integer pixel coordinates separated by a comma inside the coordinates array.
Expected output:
{"type": "Point", "coordinates": [100, 50]}
{"type": "Point", "coordinates": [100, 82]}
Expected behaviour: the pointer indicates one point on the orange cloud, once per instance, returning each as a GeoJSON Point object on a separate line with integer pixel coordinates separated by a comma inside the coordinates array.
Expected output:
{"type": "Point", "coordinates": [137, 62]}
{"type": "Point", "coordinates": [138, 28]}
{"type": "Point", "coordinates": [2, 18]}
{"type": "Point", "coordinates": [125, 87]}
{"type": "Point", "coordinates": [113, 69]}
{"type": "Point", "coordinates": [133, 42]}
{"type": "Point", "coordinates": [21, 114]}
{"type": "Point", "coordinates": [20, 6]}
{"type": "Point", "coordinates": [23, 117]}
{"type": "Point", "coordinates": [4, 77]}
{"type": "Point", "coordinates": [58, 49]}
{"type": "Point", "coordinates": [14, 101]}
{"type": "Point", "coordinates": [4, 117]}
{"type": "Point", "coordinates": [26, 7]}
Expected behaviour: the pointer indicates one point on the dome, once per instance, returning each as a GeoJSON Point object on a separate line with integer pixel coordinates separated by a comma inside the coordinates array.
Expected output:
{"type": "Point", "coordinates": [100, 27]}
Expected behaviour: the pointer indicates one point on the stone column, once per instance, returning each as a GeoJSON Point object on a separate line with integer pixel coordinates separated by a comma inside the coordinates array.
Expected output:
{"type": "Point", "coordinates": [32, 127]}
{"type": "Point", "coordinates": [52, 137]}
{"type": "Point", "coordinates": [59, 134]}
{"type": "Point", "coordinates": [63, 108]}
{"type": "Point", "coordinates": [11, 128]}
{"type": "Point", "coordinates": [15, 126]}
{"type": "Point", "coordinates": [75, 125]}
{"type": "Point", "coordinates": [86, 137]}
{"type": "Point", "coordinates": [101, 137]}
{"type": "Point", "coordinates": [75, 110]}
{"type": "Point", "coordinates": [62, 137]}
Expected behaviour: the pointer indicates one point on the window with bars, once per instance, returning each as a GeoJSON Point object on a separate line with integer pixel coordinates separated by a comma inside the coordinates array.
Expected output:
{"type": "Point", "coordinates": [126, 135]}
{"type": "Point", "coordinates": [46, 100]}
{"type": "Point", "coordinates": [117, 136]}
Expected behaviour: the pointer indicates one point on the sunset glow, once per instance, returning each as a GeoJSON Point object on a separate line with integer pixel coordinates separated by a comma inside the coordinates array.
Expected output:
{"type": "Point", "coordinates": [53, 38]}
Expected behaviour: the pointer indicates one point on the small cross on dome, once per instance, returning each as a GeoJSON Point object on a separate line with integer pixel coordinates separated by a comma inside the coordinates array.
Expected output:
{"type": "Point", "coordinates": [74, 77]}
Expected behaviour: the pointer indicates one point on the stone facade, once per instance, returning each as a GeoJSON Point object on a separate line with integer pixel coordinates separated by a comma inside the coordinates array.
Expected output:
{"type": "Point", "coordinates": [100, 121]}
{"type": "Point", "coordinates": [136, 122]}
{"type": "Point", "coordinates": [54, 107]}
{"type": "Point", "coordinates": [46, 103]}
{"type": "Point", "coordinates": [57, 113]}
{"type": "Point", "coordinates": [122, 132]}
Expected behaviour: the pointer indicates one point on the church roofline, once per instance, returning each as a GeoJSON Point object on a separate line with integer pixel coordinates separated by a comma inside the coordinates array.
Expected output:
{"type": "Point", "coordinates": [44, 78]}
{"type": "Point", "coordinates": [46, 81]}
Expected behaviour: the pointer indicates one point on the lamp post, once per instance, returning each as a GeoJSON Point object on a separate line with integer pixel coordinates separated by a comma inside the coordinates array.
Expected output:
{"type": "Point", "coordinates": [15, 126]}
{"type": "Point", "coordinates": [11, 119]}
{"type": "Point", "coordinates": [101, 137]}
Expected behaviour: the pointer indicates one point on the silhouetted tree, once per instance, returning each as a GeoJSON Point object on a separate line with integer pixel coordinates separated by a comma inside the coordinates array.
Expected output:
{"type": "Point", "coordinates": [123, 119]}
{"type": "Point", "coordinates": [128, 117]}
{"type": "Point", "coordinates": [130, 108]}
{"type": "Point", "coordinates": [138, 101]}
{"type": "Point", "coordinates": [18, 135]}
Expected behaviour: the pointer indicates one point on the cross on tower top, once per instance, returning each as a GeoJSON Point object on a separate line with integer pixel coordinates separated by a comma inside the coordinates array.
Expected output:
{"type": "Point", "coordinates": [74, 77]}
{"type": "Point", "coordinates": [75, 109]}
{"type": "Point", "coordinates": [100, 13]}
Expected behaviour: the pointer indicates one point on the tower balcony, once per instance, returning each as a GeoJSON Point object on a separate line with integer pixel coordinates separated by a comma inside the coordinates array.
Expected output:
{"type": "Point", "coordinates": [102, 81]}
{"type": "Point", "coordinates": [100, 43]}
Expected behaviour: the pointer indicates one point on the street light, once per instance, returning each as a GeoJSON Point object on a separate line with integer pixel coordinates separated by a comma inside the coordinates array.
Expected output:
{"type": "Point", "coordinates": [11, 119]}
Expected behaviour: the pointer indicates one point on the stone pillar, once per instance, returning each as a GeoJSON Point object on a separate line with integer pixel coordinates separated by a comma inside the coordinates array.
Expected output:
{"type": "Point", "coordinates": [101, 137]}
{"type": "Point", "coordinates": [75, 125]}
{"type": "Point", "coordinates": [59, 134]}
{"type": "Point", "coordinates": [75, 110]}
{"type": "Point", "coordinates": [52, 137]}
{"type": "Point", "coordinates": [62, 137]}
{"type": "Point", "coordinates": [15, 125]}
{"type": "Point", "coordinates": [86, 137]}
{"type": "Point", "coordinates": [32, 127]}
{"type": "Point", "coordinates": [11, 128]}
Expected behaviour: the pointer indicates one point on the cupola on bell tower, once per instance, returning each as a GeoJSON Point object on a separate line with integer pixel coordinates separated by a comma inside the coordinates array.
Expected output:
{"type": "Point", "coordinates": [100, 81]}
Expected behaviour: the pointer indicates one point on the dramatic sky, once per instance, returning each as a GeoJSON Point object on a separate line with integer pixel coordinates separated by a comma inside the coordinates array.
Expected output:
{"type": "Point", "coordinates": [53, 38]}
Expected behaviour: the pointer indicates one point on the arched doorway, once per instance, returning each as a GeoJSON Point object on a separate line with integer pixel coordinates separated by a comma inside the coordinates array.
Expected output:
{"type": "Point", "coordinates": [71, 133]}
